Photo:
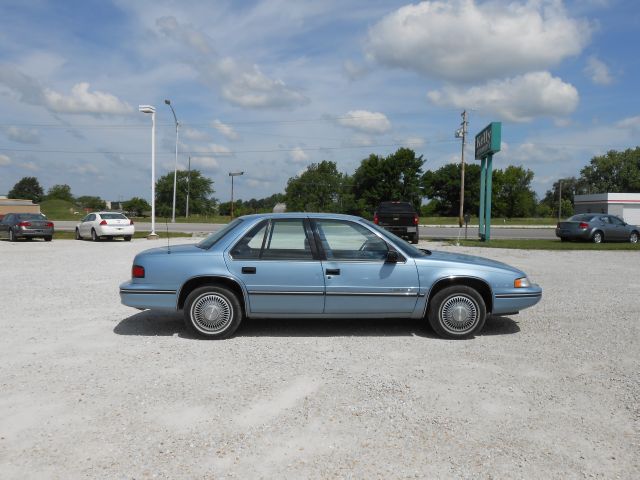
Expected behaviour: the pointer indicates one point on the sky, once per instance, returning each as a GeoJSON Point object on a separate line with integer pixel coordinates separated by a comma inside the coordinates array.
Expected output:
{"type": "Point", "coordinates": [269, 87]}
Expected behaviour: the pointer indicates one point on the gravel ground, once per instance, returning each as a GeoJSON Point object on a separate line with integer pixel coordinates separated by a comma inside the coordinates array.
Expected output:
{"type": "Point", "coordinates": [94, 389]}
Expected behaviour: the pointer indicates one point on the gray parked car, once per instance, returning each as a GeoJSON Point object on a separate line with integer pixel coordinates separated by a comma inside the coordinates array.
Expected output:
{"type": "Point", "coordinates": [26, 225]}
{"type": "Point", "coordinates": [597, 228]}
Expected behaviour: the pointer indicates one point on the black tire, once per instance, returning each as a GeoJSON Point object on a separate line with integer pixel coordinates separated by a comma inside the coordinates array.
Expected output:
{"type": "Point", "coordinates": [471, 309]}
{"type": "Point", "coordinates": [48, 238]}
{"type": "Point", "coordinates": [633, 238]}
{"type": "Point", "coordinates": [212, 312]}
{"type": "Point", "coordinates": [597, 237]}
{"type": "Point", "coordinates": [12, 236]}
{"type": "Point", "coordinates": [78, 236]}
{"type": "Point", "coordinates": [564, 239]}
{"type": "Point", "coordinates": [94, 235]}
{"type": "Point", "coordinates": [127, 238]}
{"type": "Point", "coordinates": [415, 239]}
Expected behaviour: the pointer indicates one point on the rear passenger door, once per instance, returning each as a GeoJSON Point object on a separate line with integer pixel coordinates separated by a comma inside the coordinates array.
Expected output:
{"type": "Point", "coordinates": [280, 268]}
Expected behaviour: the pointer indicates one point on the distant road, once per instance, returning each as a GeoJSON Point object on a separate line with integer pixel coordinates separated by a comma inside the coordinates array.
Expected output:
{"type": "Point", "coordinates": [426, 231]}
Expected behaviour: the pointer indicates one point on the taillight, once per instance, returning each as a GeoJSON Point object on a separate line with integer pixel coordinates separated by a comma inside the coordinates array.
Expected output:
{"type": "Point", "coordinates": [130, 222]}
{"type": "Point", "coordinates": [137, 271]}
{"type": "Point", "coordinates": [375, 219]}
{"type": "Point", "coordinates": [24, 224]}
{"type": "Point", "coordinates": [103, 222]}
{"type": "Point", "coordinates": [416, 219]}
{"type": "Point", "coordinates": [583, 225]}
{"type": "Point", "coordinates": [50, 224]}
{"type": "Point", "coordinates": [557, 225]}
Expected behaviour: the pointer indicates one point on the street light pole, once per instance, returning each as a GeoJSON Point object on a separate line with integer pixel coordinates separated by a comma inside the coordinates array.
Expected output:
{"type": "Point", "coordinates": [462, 133]}
{"type": "Point", "coordinates": [233, 174]}
{"type": "Point", "coordinates": [148, 109]}
{"type": "Point", "coordinates": [175, 169]}
{"type": "Point", "coordinates": [186, 214]}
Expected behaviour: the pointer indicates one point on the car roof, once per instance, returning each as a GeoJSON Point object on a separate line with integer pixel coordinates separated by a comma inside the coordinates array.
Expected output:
{"type": "Point", "coordinates": [337, 216]}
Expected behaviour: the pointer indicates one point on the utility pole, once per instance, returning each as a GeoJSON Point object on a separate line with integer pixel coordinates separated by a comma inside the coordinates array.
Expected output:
{"type": "Point", "coordinates": [462, 133]}
{"type": "Point", "coordinates": [186, 214]}
{"type": "Point", "coordinates": [560, 201]}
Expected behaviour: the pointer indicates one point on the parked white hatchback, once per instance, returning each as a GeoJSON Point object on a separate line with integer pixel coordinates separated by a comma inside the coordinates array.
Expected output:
{"type": "Point", "coordinates": [105, 224]}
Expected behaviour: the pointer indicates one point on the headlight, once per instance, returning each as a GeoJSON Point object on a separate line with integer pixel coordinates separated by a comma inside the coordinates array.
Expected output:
{"type": "Point", "coordinates": [522, 282]}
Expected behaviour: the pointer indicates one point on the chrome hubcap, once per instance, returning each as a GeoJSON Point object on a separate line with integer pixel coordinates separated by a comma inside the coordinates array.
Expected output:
{"type": "Point", "coordinates": [459, 314]}
{"type": "Point", "coordinates": [597, 238]}
{"type": "Point", "coordinates": [634, 238]}
{"type": "Point", "coordinates": [211, 313]}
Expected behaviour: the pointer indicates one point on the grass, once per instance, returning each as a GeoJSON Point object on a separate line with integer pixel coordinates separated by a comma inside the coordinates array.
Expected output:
{"type": "Point", "coordinates": [61, 210]}
{"type": "Point", "coordinates": [70, 235]}
{"type": "Point", "coordinates": [428, 220]}
{"type": "Point", "coordinates": [546, 245]}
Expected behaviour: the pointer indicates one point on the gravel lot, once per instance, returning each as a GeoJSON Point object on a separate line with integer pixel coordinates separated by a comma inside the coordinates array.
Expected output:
{"type": "Point", "coordinates": [94, 389]}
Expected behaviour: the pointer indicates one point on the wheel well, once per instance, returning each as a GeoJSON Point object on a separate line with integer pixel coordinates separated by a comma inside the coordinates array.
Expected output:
{"type": "Point", "coordinates": [194, 283]}
{"type": "Point", "coordinates": [479, 285]}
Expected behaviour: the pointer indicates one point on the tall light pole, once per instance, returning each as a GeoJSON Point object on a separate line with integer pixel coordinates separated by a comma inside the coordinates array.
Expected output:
{"type": "Point", "coordinates": [148, 109]}
{"type": "Point", "coordinates": [233, 174]}
{"type": "Point", "coordinates": [186, 212]}
{"type": "Point", "coordinates": [175, 169]}
{"type": "Point", "coordinates": [462, 133]}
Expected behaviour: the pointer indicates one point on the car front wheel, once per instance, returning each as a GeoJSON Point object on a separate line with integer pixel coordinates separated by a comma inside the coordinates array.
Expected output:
{"type": "Point", "coordinates": [597, 237]}
{"type": "Point", "coordinates": [212, 312]}
{"type": "Point", "coordinates": [633, 238]}
{"type": "Point", "coordinates": [457, 312]}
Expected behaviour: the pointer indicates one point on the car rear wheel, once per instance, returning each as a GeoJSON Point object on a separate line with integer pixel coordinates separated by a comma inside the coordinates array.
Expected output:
{"type": "Point", "coordinates": [127, 238]}
{"type": "Point", "coordinates": [564, 239]}
{"type": "Point", "coordinates": [12, 236]}
{"type": "Point", "coordinates": [414, 239]}
{"type": "Point", "coordinates": [94, 235]}
{"type": "Point", "coordinates": [633, 238]}
{"type": "Point", "coordinates": [457, 312]}
{"type": "Point", "coordinates": [48, 238]}
{"type": "Point", "coordinates": [212, 312]}
{"type": "Point", "coordinates": [597, 237]}
{"type": "Point", "coordinates": [78, 236]}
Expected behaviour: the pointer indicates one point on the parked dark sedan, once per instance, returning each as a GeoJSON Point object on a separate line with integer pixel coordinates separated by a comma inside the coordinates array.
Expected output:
{"type": "Point", "coordinates": [26, 225]}
{"type": "Point", "coordinates": [597, 228]}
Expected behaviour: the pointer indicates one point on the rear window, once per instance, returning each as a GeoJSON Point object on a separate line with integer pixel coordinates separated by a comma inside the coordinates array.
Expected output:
{"type": "Point", "coordinates": [582, 217]}
{"type": "Point", "coordinates": [214, 238]}
{"type": "Point", "coordinates": [395, 207]}
{"type": "Point", "coordinates": [31, 216]}
{"type": "Point", "coordinates": [113, 216]}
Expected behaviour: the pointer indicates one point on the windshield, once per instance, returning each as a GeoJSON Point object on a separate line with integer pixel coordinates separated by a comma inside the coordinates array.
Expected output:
{"type": "Point", "coordinates": [215, 237]}
{"type": "Point", "coordinates": [407, 248]}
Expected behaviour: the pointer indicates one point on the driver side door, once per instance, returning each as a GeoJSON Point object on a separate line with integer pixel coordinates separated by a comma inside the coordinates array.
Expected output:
{"type": "Point", "coordinates": [359, 281]}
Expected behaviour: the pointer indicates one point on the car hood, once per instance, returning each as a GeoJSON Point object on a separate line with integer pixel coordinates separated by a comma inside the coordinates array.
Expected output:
{"type": "Point", "coordinates": [462, 259]}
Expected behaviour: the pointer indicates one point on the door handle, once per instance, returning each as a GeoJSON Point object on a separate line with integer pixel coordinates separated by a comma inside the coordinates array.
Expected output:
{"type": "Point", "coordinates": [333, 271]}
{"type": "Point", "coordinates": [248, 269]}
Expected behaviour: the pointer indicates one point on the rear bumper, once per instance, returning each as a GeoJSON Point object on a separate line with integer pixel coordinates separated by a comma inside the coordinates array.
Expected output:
{"type": "Point", "coordinates": [573, 234]}
{"type": "Point", "coordinates": [403, 231]}
{"type": "Point", "coordinates": [132, 295]}
{"type": "Point", "coordinates": [45, 232]}
{"type": "Point", "coordinates": [115, 231]}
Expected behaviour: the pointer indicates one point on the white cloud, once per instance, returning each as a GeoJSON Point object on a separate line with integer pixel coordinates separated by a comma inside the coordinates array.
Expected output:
{"type": "Point", "coordinates": [240, 83]}
{"type": "Point", "coordinates": [365, 121]}
{"type": "Point", "coordinates": [206, 163]}
{"type": "Point", "coordinates": [355, 71]}
{"type": "Point", "coordinates": [226, 130]}
{"type": "Point", "coordinates": [30, 166]}
{"type": "Point", "coordinates": [82, 100]}
{"type": "Point", "coordinates": [85, 169]}
{"type": "Point", "coordinates": [413, 142]}
{"type": "Point", "coordinates": [298, 155]}
{"type": "Point", "coordinates": [465, 41]}
{"type": "Point", "coordinates": [598, 71]}
{"type": "Point", "coordinates": [23, 135]}
{"type": "Point", "coordinates": [194, 134]}
{"type": "Point", "coordinates": [630, 123]}
{"type": "Point", "coordinates": [518, 99]}
{"type": "Point", "coordinates": [4, 160]}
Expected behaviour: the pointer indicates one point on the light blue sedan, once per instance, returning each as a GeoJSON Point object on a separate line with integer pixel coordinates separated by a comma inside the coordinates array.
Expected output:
{"type": "Point", "coordinates": [306, 265]}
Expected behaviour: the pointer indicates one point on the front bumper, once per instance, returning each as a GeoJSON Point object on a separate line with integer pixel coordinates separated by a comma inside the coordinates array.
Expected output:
{"type": "Point", "coordinates": [516, 299]}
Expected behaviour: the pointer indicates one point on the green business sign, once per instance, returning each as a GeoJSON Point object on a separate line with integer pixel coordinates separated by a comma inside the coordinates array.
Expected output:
{"type": "Point", "coordinates": [488, 140]}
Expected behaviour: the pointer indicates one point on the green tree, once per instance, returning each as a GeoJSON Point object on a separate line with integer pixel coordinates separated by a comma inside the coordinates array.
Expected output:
{"type": "Point", "coordinates": [94, 203]}
{"type": "Point", "coordinates": [569, 186]}
{"type": "Point", "coordinates": [512, 195]}
{"type": "Point", "coordinates": [321, 188]}
{"type": "Point", "coordinates": [201, 192]}
{"type": "Point", "coordinates": [442, 187]}
{"type": "Point", "coordinates": [27, 188]}
{"type": "Point", "coordinates": [395, 177]}
{"type": "Point", "coordinates": [60, 192]}
{"type": "Point", "coordinates": [137, 207]}
{"type": "Point", "coordinates": [613, 172]}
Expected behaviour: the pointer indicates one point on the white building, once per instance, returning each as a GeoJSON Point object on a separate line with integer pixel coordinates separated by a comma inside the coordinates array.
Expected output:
{"type": "Point", "coordinates": [624, 205]}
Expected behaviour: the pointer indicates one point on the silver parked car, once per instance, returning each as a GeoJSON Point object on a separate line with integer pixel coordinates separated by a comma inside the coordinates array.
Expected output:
{"type": "Point", "coordinates": [26, 225]}
{"type": "Point", "coordinates": [597, 228]}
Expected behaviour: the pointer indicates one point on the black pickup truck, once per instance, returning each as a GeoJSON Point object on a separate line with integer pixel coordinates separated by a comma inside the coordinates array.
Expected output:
{"type": "Point", "coordinates": [399, 218]}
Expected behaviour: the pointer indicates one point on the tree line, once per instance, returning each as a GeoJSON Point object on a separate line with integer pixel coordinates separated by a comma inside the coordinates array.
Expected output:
{"type": "Point", "coordinates": [398, 176]}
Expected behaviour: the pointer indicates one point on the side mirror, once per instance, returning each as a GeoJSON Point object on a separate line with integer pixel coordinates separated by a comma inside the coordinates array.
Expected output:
{"type": "Point", "coordinates": [392, 256]}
